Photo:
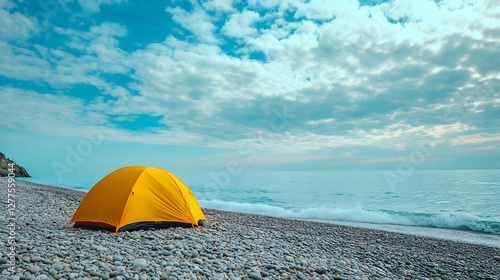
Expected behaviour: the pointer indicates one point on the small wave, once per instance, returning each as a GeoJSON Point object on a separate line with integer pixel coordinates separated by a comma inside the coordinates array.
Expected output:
{"type": "Point", "coordinates": [440, 220]}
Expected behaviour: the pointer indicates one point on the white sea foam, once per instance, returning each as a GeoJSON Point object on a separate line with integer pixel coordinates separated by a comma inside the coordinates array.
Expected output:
{"type": "Point", "coordinates": [453, 221]}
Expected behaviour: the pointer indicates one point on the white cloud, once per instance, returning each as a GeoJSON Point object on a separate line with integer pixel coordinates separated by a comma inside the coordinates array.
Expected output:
{"type": "Point", "coordinates": [94, 5]}
{"type": "Point", "coordinates": [14, 25]}
{"type": "Point", "coordinates": [281, 5]}
{"type": "Point", "coordinates": [241, 24]}
{"type": "Point", "coordinates": [296, 50]}
{"type": "Point", "coordinates": [21, 64]}
{"type": "Point", "coordinates": [486, 148]}
{"type": "Point", "coordinates": [180, 70]}
{"type": "Point", "coordinates": [46, 113]}
{"type": "Point", "coordinates": [324, 9]}
{"type": "Point", "coordinates": [7, 4]}
{"type": "Point", "coordinates": [197, 21]}
{"type": "Point", "coordinates": [60, 67]}
{"type": "Point", "coordinates": [321, 121]}
{"type": "Point", "coordinates": [477, 138]}
{"type": "Point", "coordinates": [220, 6]}
{"type": "Point", "coordinates": [438, 131]}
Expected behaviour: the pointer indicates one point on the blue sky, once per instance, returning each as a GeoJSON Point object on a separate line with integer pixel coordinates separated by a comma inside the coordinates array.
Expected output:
{"type": "Point", "coordinates": [267, 85]}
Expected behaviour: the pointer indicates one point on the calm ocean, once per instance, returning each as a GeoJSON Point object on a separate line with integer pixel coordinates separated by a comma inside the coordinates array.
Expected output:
{"type": "Point", "coordinates": [464, 199]}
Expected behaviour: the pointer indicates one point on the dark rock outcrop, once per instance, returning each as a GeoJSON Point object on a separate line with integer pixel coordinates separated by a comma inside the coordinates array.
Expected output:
{"type": "Point", "coordinates": [5, 165]}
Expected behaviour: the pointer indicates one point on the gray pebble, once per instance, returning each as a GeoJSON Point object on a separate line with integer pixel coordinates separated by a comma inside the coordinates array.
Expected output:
{"type": "Point", "coordinates": [255, 276]}
{"type": "Point", "coordinates": [320, 269]}
{"type": "Point", "coordinates": [271, 266]}
{"type": "Point", "coordinates": [35, 259]}
{"type": "Point", "coordinates": [101, 249]}
{"type": "Point", "coordinates": [34, 269]}
{"type": "Point", "coordinates": [139, 264]}
{"type": "Point", "coordinates": [96, 274]}
{"type": "Point", "coordinates": [284, 267]}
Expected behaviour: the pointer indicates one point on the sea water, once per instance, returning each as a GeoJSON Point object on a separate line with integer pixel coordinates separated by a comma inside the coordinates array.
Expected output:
{"type": "Point", "coordinates": [462, 199]}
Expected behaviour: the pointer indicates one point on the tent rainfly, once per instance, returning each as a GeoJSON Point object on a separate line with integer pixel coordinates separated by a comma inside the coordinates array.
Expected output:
{"type": "Point", "coordinates": [138, 197]}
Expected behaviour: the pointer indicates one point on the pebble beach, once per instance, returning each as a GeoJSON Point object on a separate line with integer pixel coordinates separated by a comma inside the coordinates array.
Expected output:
{"type": "Point", "coordinates": [234, 246]}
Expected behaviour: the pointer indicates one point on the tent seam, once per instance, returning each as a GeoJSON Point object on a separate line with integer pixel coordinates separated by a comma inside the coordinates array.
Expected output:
{"type": "Point", "coordinates": [182, 194]}
{"type": "Point", "coordinates": [128, 198]}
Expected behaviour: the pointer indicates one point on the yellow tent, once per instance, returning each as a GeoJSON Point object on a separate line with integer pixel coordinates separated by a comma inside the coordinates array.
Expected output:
{"type": "Point", "coordinates": [138, 197]}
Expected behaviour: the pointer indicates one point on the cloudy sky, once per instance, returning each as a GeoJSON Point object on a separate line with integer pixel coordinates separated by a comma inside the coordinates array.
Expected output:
{"type": "Point", "coordinates": [261, 84]}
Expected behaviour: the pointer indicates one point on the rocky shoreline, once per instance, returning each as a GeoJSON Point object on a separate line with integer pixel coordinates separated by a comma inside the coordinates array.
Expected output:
{"type": "Point", "coordinates": [235, 246]}
{"type": "Point", "coordinates": [6, 164]}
